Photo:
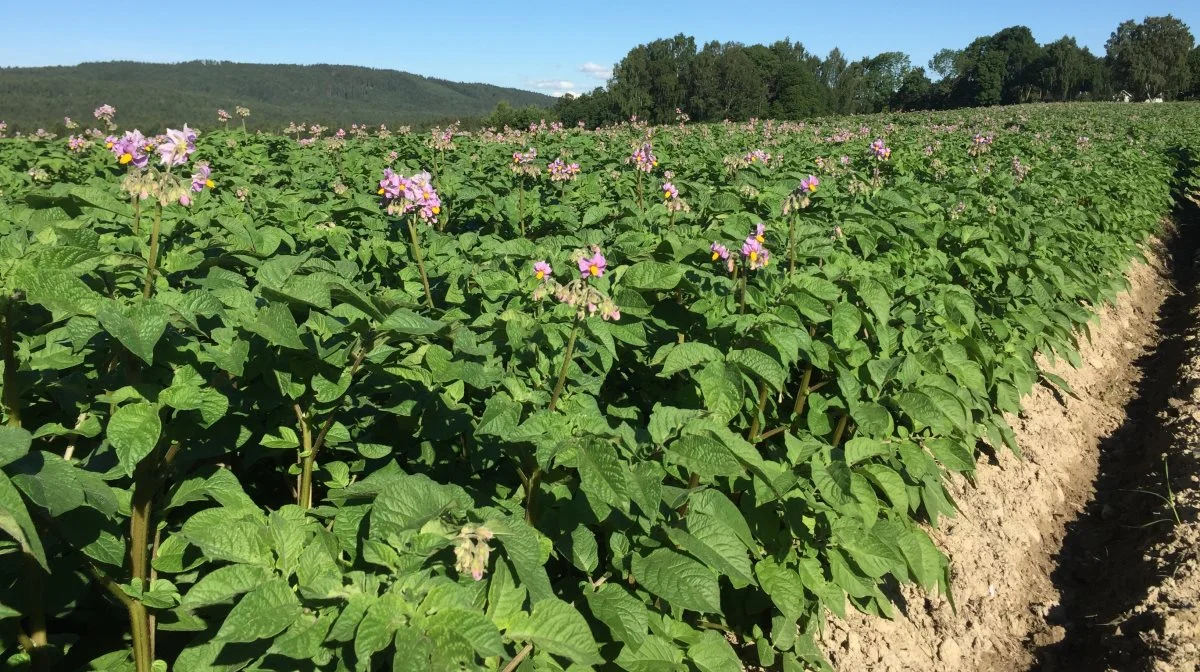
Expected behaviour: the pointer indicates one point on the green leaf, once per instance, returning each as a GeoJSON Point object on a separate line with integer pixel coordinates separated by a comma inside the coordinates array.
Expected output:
{"type": "Point", "coordinates": [264, 612]}
{"type": "Point", "coordinates": [14, 443]}
{"type": "Point", "coordinates": [624, 614]}
{"type": "Point", "coordinates": [558, 628]}
{"type": "Point", "coordinates": [679, 580]}
{"type": "Point", "coordinates": [652, 275]}
{"type": "Point", "coordinates": [134, 430]}
{"type": "Point", "coordinates": [686, 355]}
{"type": "Point", "coordinates": [714, 654]}
{"type": "Point", "coordinates": [602, 475]}
{"type": "Point", "coordinates": [138, 327]}
{"type": "Point", "coordinates": [846, 323]}
{"type": "Point", "coordinates": [721, 386]}
{"type": "Point", "coordinates": [716, 546]}
{"type": "Point", "coordinates": [704, 455]}
{"type": "Point", "coordinates": [276, 324]}
{"type": "Point", "coordinates": [15, 520]}
{"type": "Point", "coordinates": [410, 501]}
{"type": "Point", "coordinates": [224, 583]}
{"type": "Point", "coordinates": [477, 629]}
{"type": "Point", "coordinates": [404, 321]}
{"type": "Point", "coordinates": [760, 365]}
{"type": "Point", "coordinates": [784, 586]}
{"type": "Point", "coordinates": [521, 545]}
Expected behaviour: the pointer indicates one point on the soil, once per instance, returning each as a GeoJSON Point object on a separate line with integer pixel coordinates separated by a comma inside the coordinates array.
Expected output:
{"type": "Point", "coordinates": [1081, 554]}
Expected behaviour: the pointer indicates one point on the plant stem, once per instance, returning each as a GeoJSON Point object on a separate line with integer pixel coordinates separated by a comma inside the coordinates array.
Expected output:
{"type": "Point", "coordinates": [152, 261]}
{"type": "Point", "coordinates": [639, 186]}
{"type": "Point", "coordinates": [531, 489]}
{"type": "Point", "coordinates": [145, 483]}
{"type": "Point", "coordinates": [742, 303]}
{"type": "Point", "coordinates": [137, 214]}
{"type": "Point", "coordinates": [10, 394]}
{"type": "Point", "coordinates": [756, 423]}
{"type": "Point", "coordinates": [308, 457]}
{"type": "Point", "coordinates": [512, 664]}
{"type": "Point", "coordinates": [802, 394]}
{"type": "Point", "coordinates": [416, 248]}
{"type": "Point", "coordinates": [562, 374]}
{"type": "Point", "coordinates": [792, 246]}
{"type": "Point", "coordinates": [521, 205]}
{"type": "Point", "coordinates": [841, 429]}
{"type": "Point", "coordinates": [38, 639]}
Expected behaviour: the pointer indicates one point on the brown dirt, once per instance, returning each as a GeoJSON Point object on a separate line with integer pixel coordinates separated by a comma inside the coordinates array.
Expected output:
{"type": "Point", "coordinates": [1004, 542]}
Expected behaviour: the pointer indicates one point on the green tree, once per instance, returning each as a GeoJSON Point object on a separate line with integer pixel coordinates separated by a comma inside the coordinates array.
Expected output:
{"type": "Point", "coordinates": [1152, 56]}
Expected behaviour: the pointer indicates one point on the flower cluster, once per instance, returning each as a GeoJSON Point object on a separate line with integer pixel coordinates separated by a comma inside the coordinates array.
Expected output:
{"type": "Point", "coordinates": [402, 195]}
{"type": "Point", "coordinates": [757, 156]}
{"type": "Point", "coordinates": [223, 116]}
{"type": "Point", "coordinates": [980, 144]}
{"type": "Point", "coordinates": [671, 198]}
{"type": "Point", "coordinates": [3, 128]}
{"type": "Point", "coordinates": [130, 148]}
{"type": "Point", "coordinates": [880, 150]}
{"type": "Point", "coordinates": [105, 113]}
{"type": "Point", "coordinates": [78, 143]}
{"type": "Point", "coordinates": [201, 178]}
{"type": "Point", "coordinates": [177, 146]}
{"type": "Point", "coordinates": [800, 198]}
{"type": "Point", "coordinates": [471, 550]}
{"type": "Point", "coordinates": [579, 293]}
{"type": "Point", "coordinates": [755, 253]}
{"type": "Point", "coordinates": [242, 112]}
{"type": "Point", "coordinates": [561, 171]}
{"type": "Point", "coordinates": [720, 252]}
{"type": "Point", "coordinates": [522, 163]}
{"type": "Point", "coordinates": [1020, 170]}
{"type": "Point", "coordinates": [70, 125]}
{"type": "Point", "coordinates": [643, 158]}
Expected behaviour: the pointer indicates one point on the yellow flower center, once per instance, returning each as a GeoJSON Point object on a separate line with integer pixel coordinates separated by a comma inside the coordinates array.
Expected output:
{"type": "Point", "coordinates": [594, 270]}
{"type": "Point", "coordinates": [125, 158]}
{"type": "Point", "coordinates": [541, 274]}
{"type": "Point", "coordinates": [209, 183]}
{"type": "Point", "coordinates": [760, 238]}
{"type": "Point", "coordinates": [753, 256]}
{"type": "Point", "coordinates": [108, 145]}
{"type": "Point", "coordinates": [437, 209]}
{"type": "Point", "coordinates": [715, 255]}
{"type": "Point", "coordinates": [380, 192]}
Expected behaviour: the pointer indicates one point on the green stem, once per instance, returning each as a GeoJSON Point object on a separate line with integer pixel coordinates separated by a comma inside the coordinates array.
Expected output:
{"type": "Point", "coordinates": [137, 215]}
{"type": "Point", "coordinates": [562, 374]}
{"type": "Point", "coordinates": [145, 483]}
{"type": "Point", "coordinates": [38, 639]}
{"type": "Point", "coordinates": [10, 394]}
{"type": "Point", "coordinates": [639, 186]}
{"type": "Point", "coordinates": [152, 261]}
{"type": "Point", "coordinates": [742, 304]}
{"type": "Point", "coordinates": [802, 394]}
{"type": "Point", "coordinates": [841, 429]}
{"type": "Point", "coordinates": [308, 457]}
{"type": "Point", "coordinates": [756, 423]}
{"type": "Point", "coordinates": [531, 489]}
{"type": "Point", "coordinates": [416, 248]}
{"type": "Point", "coordinates": [792, 246]}
{"type": "Point", "coordinates": [521, 205]}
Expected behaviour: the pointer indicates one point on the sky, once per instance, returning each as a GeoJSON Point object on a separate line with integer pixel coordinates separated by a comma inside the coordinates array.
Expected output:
{"type": "Point", "coordinates": [552, 47]}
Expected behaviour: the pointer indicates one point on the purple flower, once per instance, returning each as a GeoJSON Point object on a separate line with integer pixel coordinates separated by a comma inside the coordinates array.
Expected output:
{"type": "Point", "coordinates": [719, 251]}
{"type": "Point", "coordinates": [222, 116]}
{"type": "Point", "coordinates": [593, 267]}
{"type": "Point", "coordinates": [200, 178]}
{"type": "Point", "coordinates": [669, 191]}
{"type": "Point", "coordinates": [809, 184]}
{"type": "Point", "coordinates": [760, 232]}
{"type": "Point", "coordinates": [880, 150]}
{"type": "Point", "coordinates": [132, 147]}
{"type": "Point", "coordinates": [402, 195]}
{"type": "Point", "coordinates": [105, 112]}
{"type": "Point", "coordinates": [643, 158]}
{"type": "Point", "coordinates": [542, 271]}
{"type": "Point", "coordinates": [177, 146]}
{"type": "Point", "coordinates": [754, 253]}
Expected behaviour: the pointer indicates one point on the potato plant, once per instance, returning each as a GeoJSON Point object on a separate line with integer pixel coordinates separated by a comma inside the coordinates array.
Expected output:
{"type": "Point", "coordinates": [562, 419]}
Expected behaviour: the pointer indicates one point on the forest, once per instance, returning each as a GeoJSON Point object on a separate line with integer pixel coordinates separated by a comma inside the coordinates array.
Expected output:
{"type": "Point", "coordinates": [667, 78]}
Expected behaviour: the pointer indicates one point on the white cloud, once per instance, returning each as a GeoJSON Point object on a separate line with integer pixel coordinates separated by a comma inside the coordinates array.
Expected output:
{"type": "Point", "coordinates": [560, 94]}
{"type": "Point", "coordinates": [596, 70]}
{"type": "Point", "coordinates": [554, 84]}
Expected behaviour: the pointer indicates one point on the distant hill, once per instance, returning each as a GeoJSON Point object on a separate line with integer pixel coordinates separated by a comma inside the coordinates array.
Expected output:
{"type": "Point", "coordinates": [151, 95]}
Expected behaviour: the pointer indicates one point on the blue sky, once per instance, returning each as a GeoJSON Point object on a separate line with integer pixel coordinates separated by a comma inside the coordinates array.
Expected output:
{"type": "Point", "coordinates": [536, 45]}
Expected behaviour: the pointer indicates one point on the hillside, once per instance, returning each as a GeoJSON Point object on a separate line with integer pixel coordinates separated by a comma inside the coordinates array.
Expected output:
{"type": "Point", "coordinates": [149, 95]}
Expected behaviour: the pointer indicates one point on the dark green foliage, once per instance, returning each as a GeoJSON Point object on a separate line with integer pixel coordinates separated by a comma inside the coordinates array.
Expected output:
{"type": "Point", "coordinates": [149, 95]}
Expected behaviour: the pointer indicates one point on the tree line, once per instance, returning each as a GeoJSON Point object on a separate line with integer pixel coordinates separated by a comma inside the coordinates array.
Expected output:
{"type": "Point", "coordinates": [662, 79]}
